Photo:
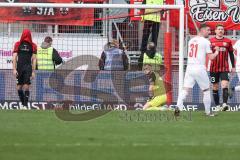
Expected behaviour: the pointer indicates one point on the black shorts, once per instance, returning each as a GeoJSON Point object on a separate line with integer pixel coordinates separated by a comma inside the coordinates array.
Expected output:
{"type": "Point", "coordinates": [216, 76]}
{"type": "Point", "coordinates": [24, 75]}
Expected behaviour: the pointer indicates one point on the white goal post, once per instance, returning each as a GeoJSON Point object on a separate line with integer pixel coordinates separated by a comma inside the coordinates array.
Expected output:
{"type": "Point", "coordinates": [122, 6]}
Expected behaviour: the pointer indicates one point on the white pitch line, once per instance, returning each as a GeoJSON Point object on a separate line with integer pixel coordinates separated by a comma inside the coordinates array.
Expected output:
{"type": "Point", "coordinates": [112, 145]}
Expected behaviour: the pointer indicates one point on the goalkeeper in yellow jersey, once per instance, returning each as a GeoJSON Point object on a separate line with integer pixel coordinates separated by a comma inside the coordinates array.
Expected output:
{"type": "Point", "coordinates": [157, 91]}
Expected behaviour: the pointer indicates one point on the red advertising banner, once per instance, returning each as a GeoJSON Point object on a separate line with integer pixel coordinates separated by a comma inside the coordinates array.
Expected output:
{"type": "Point", "coordinates": [135, 14]}
{"type": "Point", "coordinates": [49, 15]}
{"type": "Point", "coordinates": [212, 12]}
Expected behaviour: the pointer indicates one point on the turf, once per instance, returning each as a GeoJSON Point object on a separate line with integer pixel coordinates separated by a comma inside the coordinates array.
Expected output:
{"type": "Point", "coordinates": [131, 135]}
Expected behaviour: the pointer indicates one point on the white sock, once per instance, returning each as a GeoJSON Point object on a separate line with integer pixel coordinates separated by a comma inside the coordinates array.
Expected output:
{"type": "Point", "coordinates": [181, 98]}
{"type": "Point", "coordinates": [237, 88]}
{"type": "Point", "coordinates": [207, 101]}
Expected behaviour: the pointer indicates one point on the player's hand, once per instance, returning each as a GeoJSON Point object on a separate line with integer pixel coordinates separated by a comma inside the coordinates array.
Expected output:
{"type": "Point", "coordinates": [233, 70]}
{"type": "Point", "coordinates": [149, 99]}
{"type": "Point", "coordinates": [217, 48]}
{"type": "Point", "coordinates": [33, 75]}
{"type": "Point", "coordinates": [125, 48]}
{"type": "Point", "coordinates": [15, 73]}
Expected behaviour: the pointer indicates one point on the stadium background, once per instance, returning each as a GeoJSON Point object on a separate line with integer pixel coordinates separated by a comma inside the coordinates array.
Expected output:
{"type": "Point", "coordinates": [83, 38]}
{"type": "Point", "coordinates": [136, 135]}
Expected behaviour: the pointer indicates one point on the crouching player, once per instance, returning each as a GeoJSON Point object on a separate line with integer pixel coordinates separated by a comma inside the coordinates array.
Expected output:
{"type": "Point", "coordinates": [157, 92]}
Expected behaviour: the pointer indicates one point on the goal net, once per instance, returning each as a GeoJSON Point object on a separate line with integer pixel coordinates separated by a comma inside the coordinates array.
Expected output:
{"type": "Point", "coordinates": [81, 32]}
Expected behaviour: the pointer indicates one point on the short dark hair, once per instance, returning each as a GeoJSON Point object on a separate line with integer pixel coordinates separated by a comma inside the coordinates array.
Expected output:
{"type": "Point", "coordinates": [151, 45]}
{"type": "Point", "coordinates": [219, 25]}
{"type": "Point", "coordinates": [48, 39]}
{"type": "Point", "coordinates": [203, 25]}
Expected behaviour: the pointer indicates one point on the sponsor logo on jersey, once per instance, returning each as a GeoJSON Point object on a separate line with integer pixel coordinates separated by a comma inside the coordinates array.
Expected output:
{"type": "Point", "coordinates": [225, 44]}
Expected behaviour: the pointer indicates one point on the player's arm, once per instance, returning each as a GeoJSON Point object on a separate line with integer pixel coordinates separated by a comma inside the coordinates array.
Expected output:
{"type": "Point", "coordinates": [235, 48]}
{"type": "Point", "coordinates": [14, 63]}
{"type": "Point", "coordinates": [210, 49]}
{"type": "Point", "coordinates": [152, 80]}
{"type": "Point", "coordinates": [235, 54]}
{"type": "Point", "coordinates": [15, 57]}
{"type": "Point", "coordinates": [211, 56]}
{"type": "Point", "coordinates": [34, 62]}
{"type": "Point", "coordinates": [231, 54]}
{"type": "Point", "coordinates": [151, 89]}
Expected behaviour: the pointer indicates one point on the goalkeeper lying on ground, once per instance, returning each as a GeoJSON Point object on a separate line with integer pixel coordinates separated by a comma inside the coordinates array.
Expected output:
{"type": "Point", "coordinates": [157, 90]}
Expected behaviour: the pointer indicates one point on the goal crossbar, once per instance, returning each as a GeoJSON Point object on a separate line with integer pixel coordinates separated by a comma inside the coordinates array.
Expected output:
{"type": "Point", "coordinates": [83, 5]}
{"type": "Point", "coordinates": [121, 6]}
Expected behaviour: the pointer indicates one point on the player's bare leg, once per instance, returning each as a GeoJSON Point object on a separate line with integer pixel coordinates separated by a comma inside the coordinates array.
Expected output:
{"type": "Point", "coordinates": [146, 106]}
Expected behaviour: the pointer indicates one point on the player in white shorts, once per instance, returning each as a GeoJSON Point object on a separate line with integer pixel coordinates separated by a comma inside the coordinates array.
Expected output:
{"type": "Point", "coordinates": [198, 49]}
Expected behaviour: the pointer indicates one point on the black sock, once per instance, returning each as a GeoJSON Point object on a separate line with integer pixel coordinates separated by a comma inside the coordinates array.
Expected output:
{"type": "Point", "coordinates": [225, 95]}
{"type": "Point", "coordinates": [21, 95]}
{"type": "Point", "coordinates": [26, 96]}
{"type": "Point", "coordinates": [216, 97]}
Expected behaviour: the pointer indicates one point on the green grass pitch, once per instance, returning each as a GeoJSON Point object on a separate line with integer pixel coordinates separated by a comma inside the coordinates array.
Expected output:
{"type": "Point", "coordinates": [32, 135]}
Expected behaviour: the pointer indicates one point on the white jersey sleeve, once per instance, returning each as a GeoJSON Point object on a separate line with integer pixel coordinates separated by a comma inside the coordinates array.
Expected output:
{"type": "Point", "coordinates": [208, 47]}
{"type": "Point", "coordinates": [236, 47]}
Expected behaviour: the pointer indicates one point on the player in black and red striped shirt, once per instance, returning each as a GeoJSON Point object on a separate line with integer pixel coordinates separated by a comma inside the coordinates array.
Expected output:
{"type": "Point", "coordinates": [219, 67]}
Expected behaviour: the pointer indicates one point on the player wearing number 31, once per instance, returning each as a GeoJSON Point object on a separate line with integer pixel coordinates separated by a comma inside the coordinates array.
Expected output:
{"type": "Point", "coordinates": [198, 48]}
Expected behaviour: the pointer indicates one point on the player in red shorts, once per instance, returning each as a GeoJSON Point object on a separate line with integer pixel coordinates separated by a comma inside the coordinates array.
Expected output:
{"type": "Point", "coordinates": [219, 67]}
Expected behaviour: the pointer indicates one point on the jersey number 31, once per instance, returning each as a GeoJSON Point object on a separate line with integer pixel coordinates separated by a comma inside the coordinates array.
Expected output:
{"type": "Point", "coordinates": [193, 50]}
